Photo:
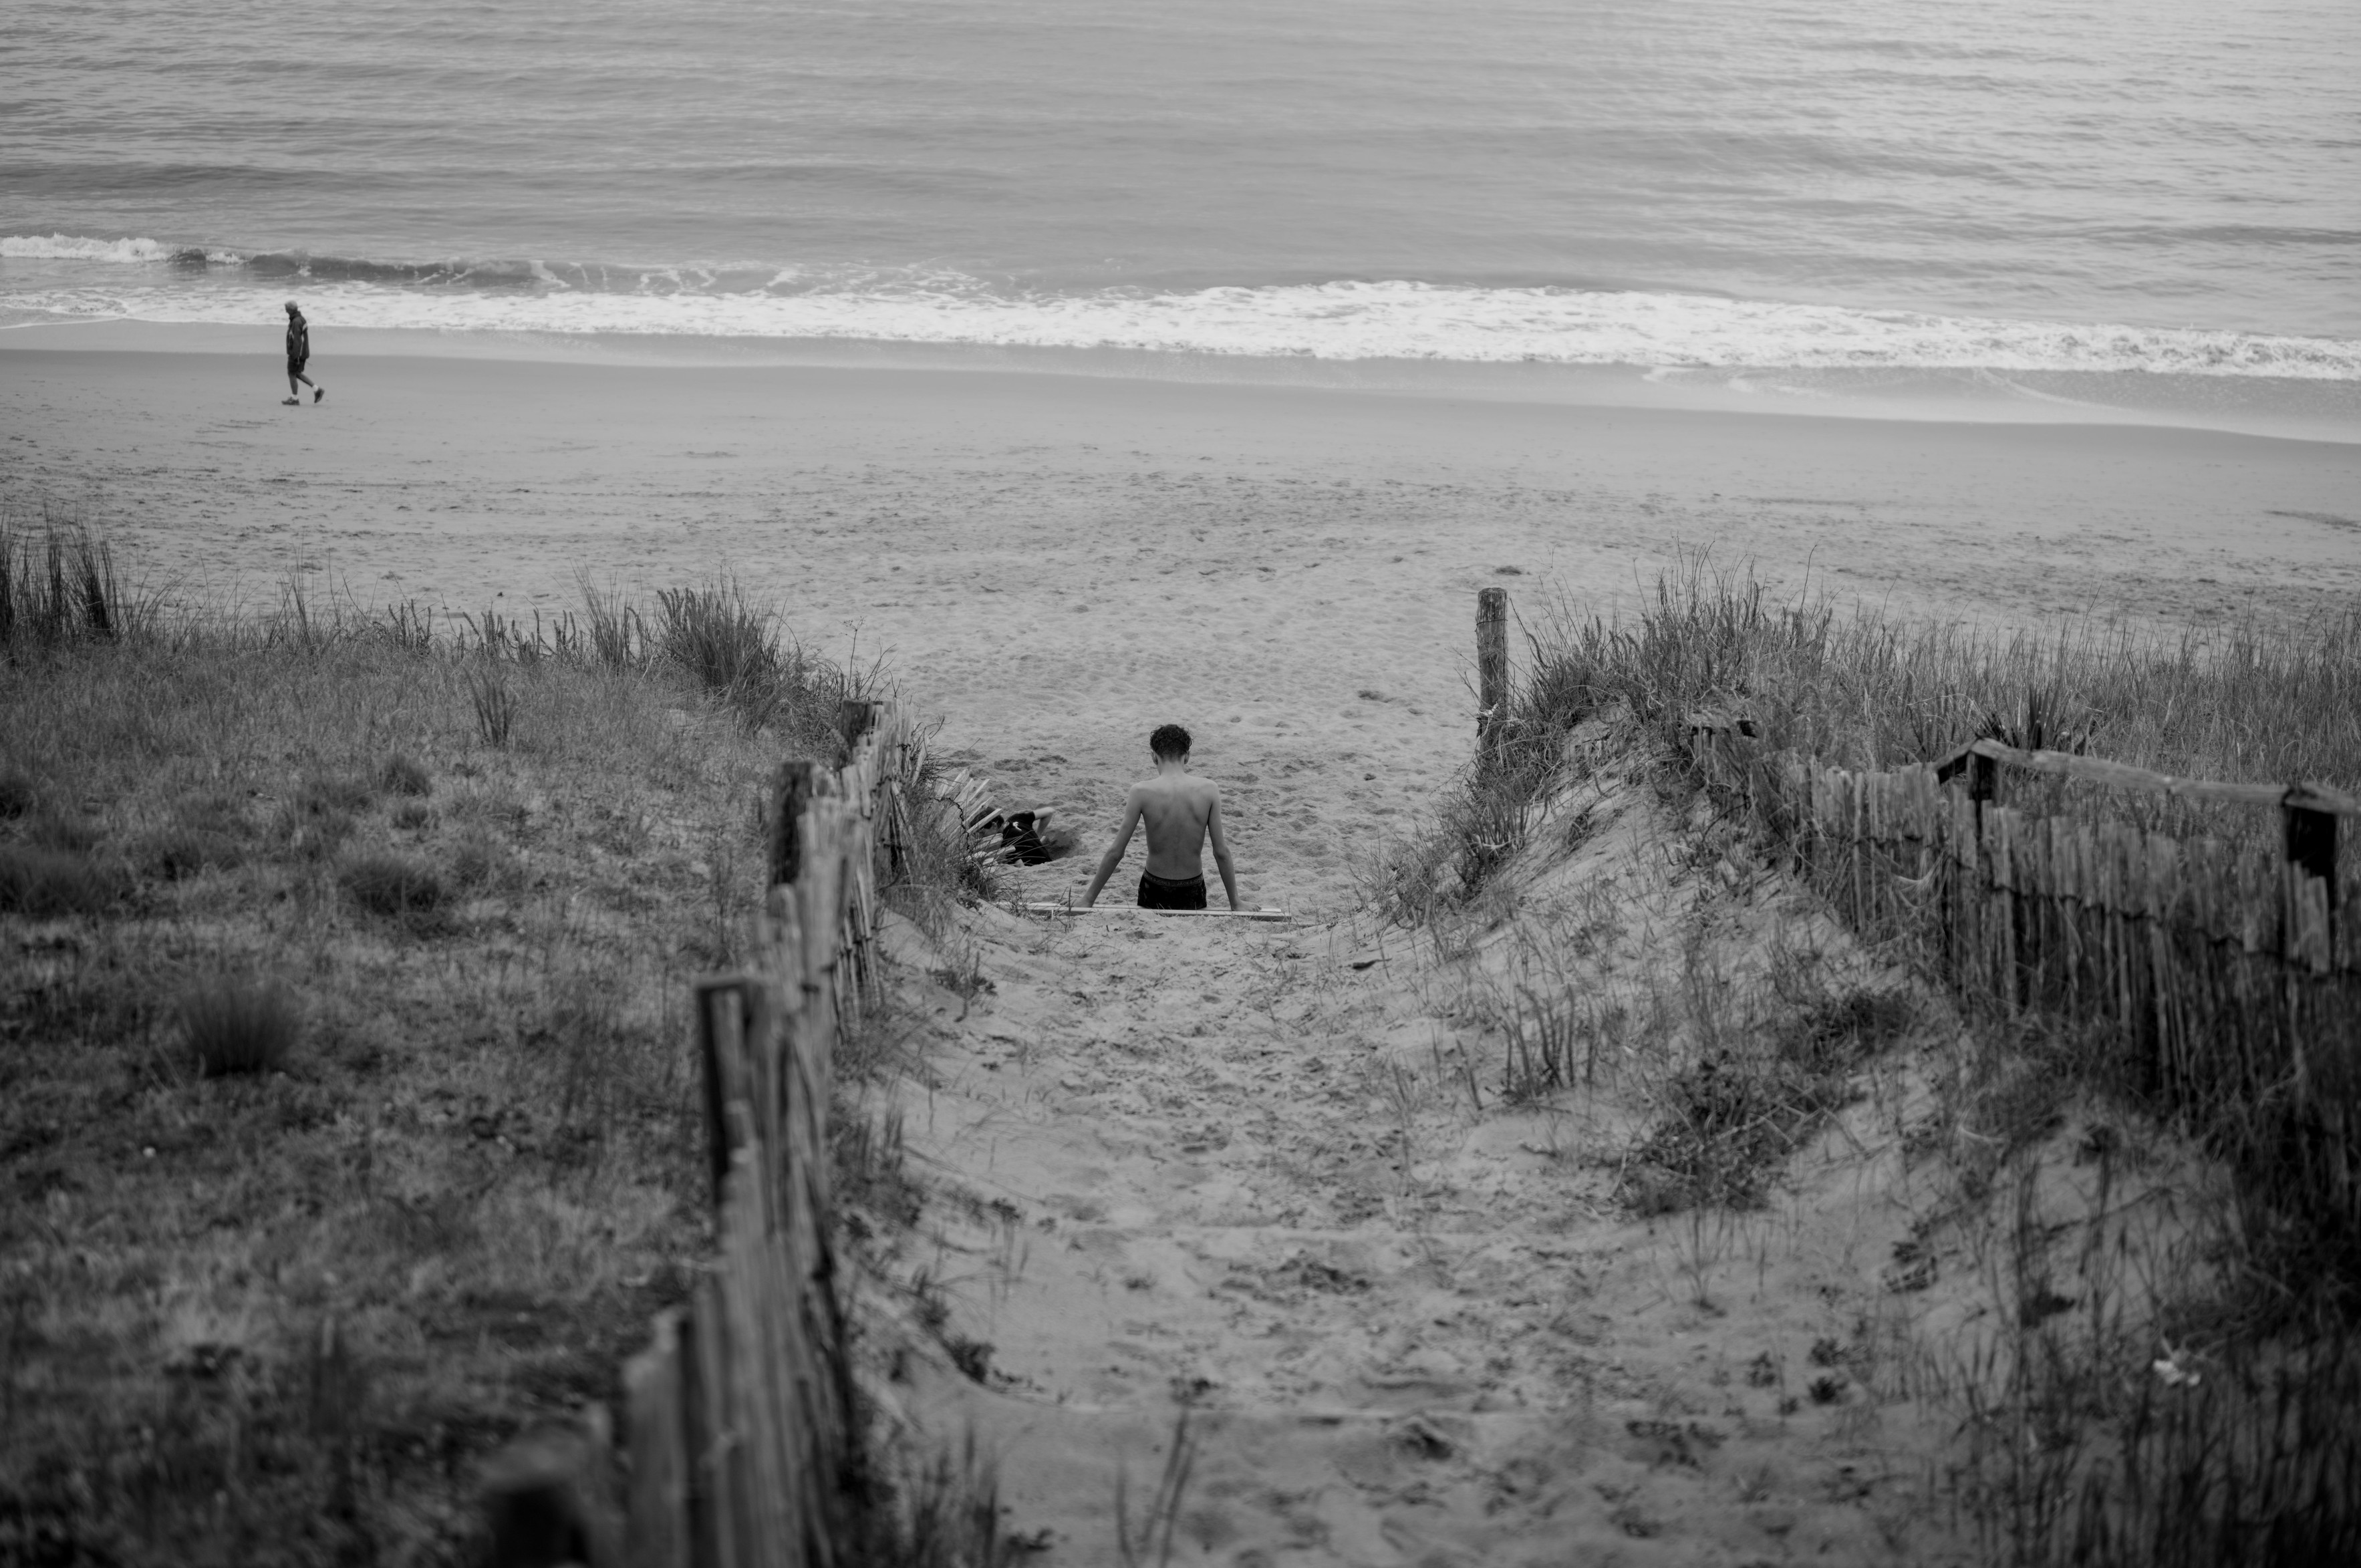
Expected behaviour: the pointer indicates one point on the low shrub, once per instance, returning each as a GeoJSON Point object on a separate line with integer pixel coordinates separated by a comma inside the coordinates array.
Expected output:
{"type": "Point", "coordinates": [181, 852]}
{"type": "Point", "coordinates": [239, 1025]}
{"type": "Point", "coordinates": [67, 834]}
{"type": "Point", "coordinates": [413, 814]}
{"type": "Point", "coordinates": [477, 859]}
{"type": "Point", "coordinates": [45, 882]}
{"type": "Point", "coordinates": [405, 776]}
{"type": "Point", "coordinates": [1836, 1031]}
{"type": "Point", "coordinates": [392, 884]}
{"type": "Point", "coordinates": [315, 835]}
{"type": "Point", "coordinates": [320, 794]}
{"type": "Point", "coordinates": [17, 796]}
{"type": "Point", "coordinates": [1728, 1121]}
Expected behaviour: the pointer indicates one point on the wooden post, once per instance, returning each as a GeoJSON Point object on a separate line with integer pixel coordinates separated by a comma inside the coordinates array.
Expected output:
{"type": "Point", "coordinates": [794, 793]}
{"type": "Point", "coordinates": [2311, 847]}
{"type": "Point", "coordinates": [658, 1527]}
{"type": "Point", "coordinates": [721, 1050]}
{"type": "Point", "coordinates": [855, 720]}
{"type": "Point", "coordinates": [1492, 673]}
{"type": "Point", "coordinates": [545, 1501]}
{"type": "Point", "coordinates": [1983, 783]}
{"type": "Point", "coordinates": [717, 1443]}
{"type": "Point", "coordinates": [764, 1075]}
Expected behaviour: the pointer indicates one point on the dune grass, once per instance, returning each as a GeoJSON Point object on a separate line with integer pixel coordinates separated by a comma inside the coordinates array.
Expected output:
{"type": "Point", "coordinates": [2272, 702]}
{"type": "Point", "coordinates": [332, 1019]}
{"type": "Point", "coordinates": [2258, 701]}
{"type": "Point", "coordinates": [58, 586]}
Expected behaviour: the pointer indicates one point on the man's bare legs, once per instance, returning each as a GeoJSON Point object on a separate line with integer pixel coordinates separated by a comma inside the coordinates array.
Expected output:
{"type": "Point", "coordinates": [295, 397]}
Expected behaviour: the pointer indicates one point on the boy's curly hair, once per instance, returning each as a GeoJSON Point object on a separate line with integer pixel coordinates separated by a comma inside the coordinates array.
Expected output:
{"type": "Point", "coordinates": [1170, 741]}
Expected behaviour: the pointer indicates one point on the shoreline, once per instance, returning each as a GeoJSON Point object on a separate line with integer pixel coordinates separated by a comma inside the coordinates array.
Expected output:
{"type": "Point", "coordinates": [2282, 408]}
{"type": "Point", "coordinates": [1055, 564]}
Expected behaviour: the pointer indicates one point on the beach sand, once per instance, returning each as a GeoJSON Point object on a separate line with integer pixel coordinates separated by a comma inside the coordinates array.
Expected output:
{"type": "Point", "coordinates": [1055, 564]}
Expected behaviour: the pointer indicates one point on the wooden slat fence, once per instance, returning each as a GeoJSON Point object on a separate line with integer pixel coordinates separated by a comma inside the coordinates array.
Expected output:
{"type": "Point", "coordinates": [2231, 979]}
{"type": "Point", "coordinates": [742, 1450]}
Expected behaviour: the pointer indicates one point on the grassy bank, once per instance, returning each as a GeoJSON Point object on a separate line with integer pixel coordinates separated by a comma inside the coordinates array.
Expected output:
{"type": "Point", "coordinates": [2273, 702]}
{"type": "Point", "coordinates": [348, 1121]}
{"type": "Point", "coordinates": [2194, 1403]}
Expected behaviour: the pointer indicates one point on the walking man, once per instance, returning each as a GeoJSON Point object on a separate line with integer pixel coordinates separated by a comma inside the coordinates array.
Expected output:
{"type": "Point", "coordinates": [299, 354]}
{"type": "Point", "coordinates": [1181, 811]}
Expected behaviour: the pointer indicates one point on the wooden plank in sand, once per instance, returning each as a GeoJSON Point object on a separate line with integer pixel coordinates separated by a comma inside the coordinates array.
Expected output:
{"type": "Point", "coordinates": [1063, 909]}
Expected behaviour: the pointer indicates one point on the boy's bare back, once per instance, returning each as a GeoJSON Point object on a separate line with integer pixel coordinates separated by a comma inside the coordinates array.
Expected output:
{"type": "Point", "coordinates": [1181, 811]}
{"type": "Point", "coordinates": [1176, 809]}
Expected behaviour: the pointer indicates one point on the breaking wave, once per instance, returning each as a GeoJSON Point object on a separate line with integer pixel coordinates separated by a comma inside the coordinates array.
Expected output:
{"type": "Point", "coordinates": [1391, 319]}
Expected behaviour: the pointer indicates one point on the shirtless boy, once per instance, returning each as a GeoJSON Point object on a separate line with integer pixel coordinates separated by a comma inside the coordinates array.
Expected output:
{"type": "Point", "coordinates": [1182, 810]}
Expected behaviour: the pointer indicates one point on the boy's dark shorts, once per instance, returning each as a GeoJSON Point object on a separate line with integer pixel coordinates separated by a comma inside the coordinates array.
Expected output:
{"type": "Point", "coordinates": [1162, 893]}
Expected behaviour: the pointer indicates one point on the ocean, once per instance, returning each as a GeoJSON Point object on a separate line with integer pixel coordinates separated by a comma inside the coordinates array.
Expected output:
{"type": "Point", "coordinates": [2002, 192]}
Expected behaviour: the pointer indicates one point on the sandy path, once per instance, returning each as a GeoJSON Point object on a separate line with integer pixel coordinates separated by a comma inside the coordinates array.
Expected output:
{"type": "Point", "coordinates": [1241, 1169]}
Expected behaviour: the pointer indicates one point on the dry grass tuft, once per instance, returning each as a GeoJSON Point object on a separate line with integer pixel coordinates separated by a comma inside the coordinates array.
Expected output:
{"type": "Point", "coordinates": [1762, 1072]}
{"type": "Point", "coordinates": [391, 885]}
{"type": "Point", "coordinates": [239, 1026]}
{"type": "Point", "coordinates": [496, 705]}
{"type": "Point", "coordinates": [727, 646]}
{"type": "Point", "coordinates": [618, 637]}
{"type": "Point", "coordinates": [183, 850]}
{"type": "Point", "coordinates": [938, 873]}
{"type": "Point", "coordinates": [405, 776]}
{"type": "Point", "coordinates": [57, 586]}
{"type": "Point", "coordinates": [935, 1511]}
{"type": "Point", "coordinates": [44, 883]}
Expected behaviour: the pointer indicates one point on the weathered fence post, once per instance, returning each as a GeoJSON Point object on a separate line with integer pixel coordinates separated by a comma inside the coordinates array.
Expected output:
{"type": "Point", "coordinates": [659, 1532]}
{"type": "Point", "coordinates": [855, 718]}
{"type": "Point", "coordinates": [546, 1501]}
{"type": "Point", "coordinates": [2312, 846]}
{"type": "Point", "coordinates": [1983, 783]}
{"type": "Point", "coordinates": [721, 1048]}
{"type": "Point", "coordinates": [1492, 674]}
{"type": "Point", "coordinates": [794, 792]}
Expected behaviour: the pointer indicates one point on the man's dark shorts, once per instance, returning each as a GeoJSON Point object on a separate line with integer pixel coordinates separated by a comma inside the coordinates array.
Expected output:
{"type": "Point", "coordinates": [1162, 893]}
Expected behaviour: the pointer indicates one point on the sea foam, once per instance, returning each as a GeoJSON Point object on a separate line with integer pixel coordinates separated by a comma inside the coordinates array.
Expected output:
{"type": "Point", "coordinates": [1344, 320]}
{"type": "Point", "coordinates": [77, 247]}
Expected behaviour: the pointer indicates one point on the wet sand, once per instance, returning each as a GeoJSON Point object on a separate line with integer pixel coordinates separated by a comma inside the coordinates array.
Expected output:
{"type": "Point", "coordinates": [1055, 564]}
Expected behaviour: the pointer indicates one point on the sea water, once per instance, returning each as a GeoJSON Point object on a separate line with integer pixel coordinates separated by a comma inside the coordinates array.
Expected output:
{"type": "Point", "coordinates": [2022, 193]}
